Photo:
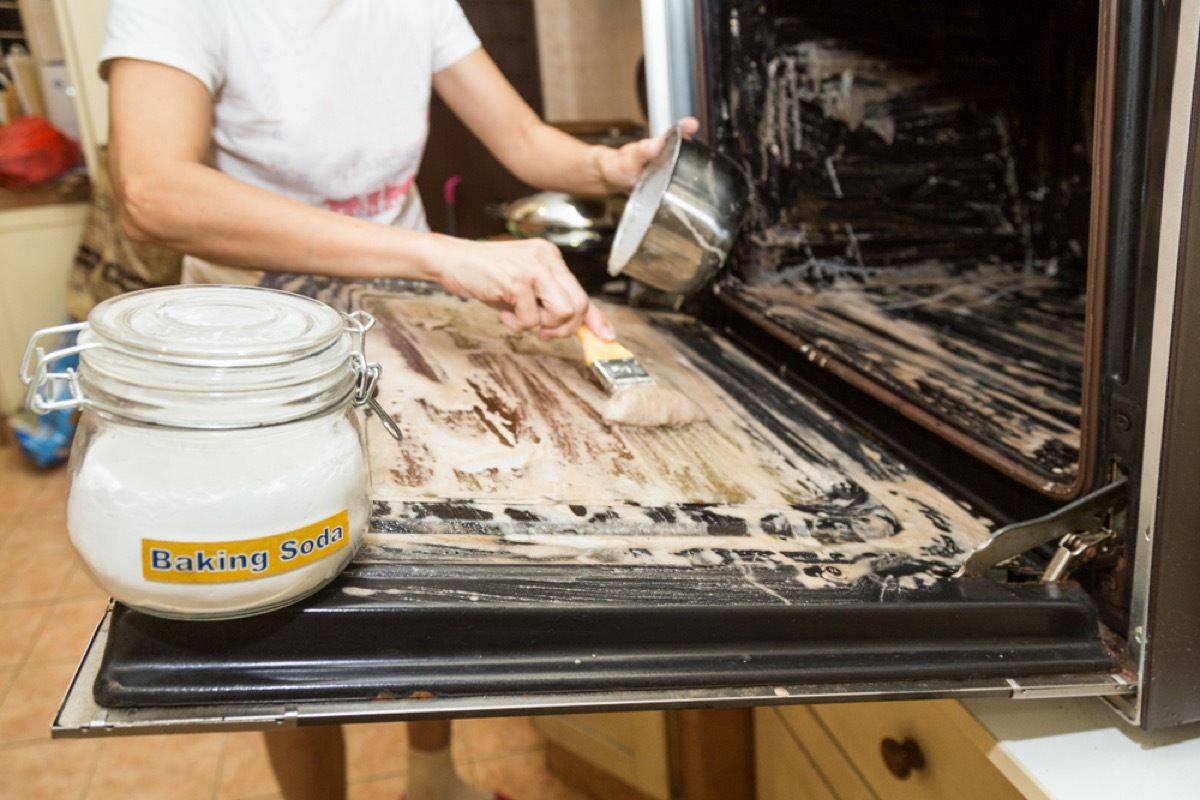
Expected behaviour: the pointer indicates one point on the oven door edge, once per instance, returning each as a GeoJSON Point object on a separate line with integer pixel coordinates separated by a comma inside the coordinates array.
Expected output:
{"type": "Point", "coordinates": [80, 716]}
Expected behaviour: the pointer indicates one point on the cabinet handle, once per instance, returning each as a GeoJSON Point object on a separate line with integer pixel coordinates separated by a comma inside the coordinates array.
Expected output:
{"type": "Point", "coordinates": [901, 758]}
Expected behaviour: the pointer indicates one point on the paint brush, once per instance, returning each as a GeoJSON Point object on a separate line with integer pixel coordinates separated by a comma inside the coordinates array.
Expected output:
{"type": "Point", "coordinates": [614, 366]}
{"type": "Point", "coordinates": [635, 399]}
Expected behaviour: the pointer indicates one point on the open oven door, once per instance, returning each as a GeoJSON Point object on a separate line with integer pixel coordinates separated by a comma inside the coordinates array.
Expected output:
{"type": "Point", "coordinates": [528, 557]}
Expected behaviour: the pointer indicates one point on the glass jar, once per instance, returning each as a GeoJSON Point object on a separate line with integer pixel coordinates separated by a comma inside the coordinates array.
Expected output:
{"type": "Point", "coordinates": [217, 469]}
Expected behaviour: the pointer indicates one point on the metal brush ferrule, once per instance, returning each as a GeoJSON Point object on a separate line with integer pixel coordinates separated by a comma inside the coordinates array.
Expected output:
{"type": "Point", "coordinates": [621, 373]}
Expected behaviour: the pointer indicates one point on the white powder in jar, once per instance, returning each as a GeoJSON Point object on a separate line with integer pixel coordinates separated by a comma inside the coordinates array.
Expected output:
{"type": "Point", "coordinates": [199, 490]}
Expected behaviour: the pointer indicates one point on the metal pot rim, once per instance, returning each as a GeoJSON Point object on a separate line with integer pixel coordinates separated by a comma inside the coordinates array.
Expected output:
{"type": "Point", "coordinates": [627, 240]}
{"type": "Point", "coordinates": [680, 221]}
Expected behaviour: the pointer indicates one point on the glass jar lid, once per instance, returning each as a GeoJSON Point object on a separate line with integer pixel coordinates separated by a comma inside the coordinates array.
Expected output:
{"type": "Point", "coordinates": [215, 326]}
{"type": "Point", "coordinates": [217, 357]}
{"type": "Point", "coordinates": [207, 357]}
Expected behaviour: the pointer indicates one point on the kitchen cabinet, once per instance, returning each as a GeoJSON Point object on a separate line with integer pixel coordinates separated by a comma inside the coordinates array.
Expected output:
{"type": "Point", "coordinates": [988, 748]}
{"type": "Point", "coordinates": [632, 747]}
{"type": "Point", "coordinates": [81, 29]}
{"type": "Point", "coordinates": [40, 231]}
{"type": "Point", "coordinates": [37, 247]}
{"type": "Point", "coordinates": [920, 749]}
{"type": "Point", "coordinates": [692, 754]}
{"type": "Point", "coordinates": [785, 768]}
{"type": "Point", "coordinates": [923, 749]}
{"type": "Point", "coordinates": [581, 40]}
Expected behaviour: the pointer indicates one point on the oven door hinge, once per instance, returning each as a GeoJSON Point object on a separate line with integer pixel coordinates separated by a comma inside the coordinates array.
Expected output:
{"type": "Point", "coordinates": [1082, 529]}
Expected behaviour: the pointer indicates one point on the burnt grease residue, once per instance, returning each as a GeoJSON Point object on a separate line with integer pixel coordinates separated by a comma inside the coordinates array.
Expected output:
{"type": "Point", "coordinates": [403, 344]}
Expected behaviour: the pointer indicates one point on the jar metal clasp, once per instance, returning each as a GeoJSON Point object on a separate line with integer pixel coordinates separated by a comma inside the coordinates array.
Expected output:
{"type": "Point", "coordinates": [367, 372]}
{"type": "Point", "coordinates": [52, 391]}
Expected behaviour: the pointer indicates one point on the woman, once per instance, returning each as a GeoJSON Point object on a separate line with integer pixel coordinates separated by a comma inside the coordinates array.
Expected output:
{"type": "Point", "coordinates": [285, 135]}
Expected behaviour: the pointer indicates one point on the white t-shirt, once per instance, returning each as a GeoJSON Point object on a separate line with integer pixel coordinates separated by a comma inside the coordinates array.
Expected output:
{"type": "Point", "coordinates": [324, 101]}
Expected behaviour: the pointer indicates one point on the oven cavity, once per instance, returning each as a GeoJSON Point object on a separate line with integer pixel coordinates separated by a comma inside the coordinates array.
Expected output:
{"type": "Point", "coordinates": [922, 199]}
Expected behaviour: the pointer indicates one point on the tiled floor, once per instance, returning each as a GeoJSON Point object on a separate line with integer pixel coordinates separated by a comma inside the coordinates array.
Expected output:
{"type": "Point", "coordinates": [48, 608]}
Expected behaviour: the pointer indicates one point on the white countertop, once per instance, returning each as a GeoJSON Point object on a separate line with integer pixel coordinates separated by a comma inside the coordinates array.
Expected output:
{"type": "Point", "coordinates": [1081, 749]}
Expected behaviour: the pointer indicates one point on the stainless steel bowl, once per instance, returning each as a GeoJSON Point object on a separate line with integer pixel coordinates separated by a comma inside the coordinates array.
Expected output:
{"type": "Point", "coordinates": [578, 224]}
{"type": "Point", "coordinates": [681, 218]}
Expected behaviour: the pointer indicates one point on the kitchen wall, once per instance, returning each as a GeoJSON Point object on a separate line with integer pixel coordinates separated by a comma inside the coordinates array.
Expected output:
{"type": "Point", "coordinates": [589, 51]}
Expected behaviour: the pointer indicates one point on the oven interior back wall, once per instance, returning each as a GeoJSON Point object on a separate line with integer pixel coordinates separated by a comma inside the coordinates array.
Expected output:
{"type": "Point", "coordinates": [922, 204]}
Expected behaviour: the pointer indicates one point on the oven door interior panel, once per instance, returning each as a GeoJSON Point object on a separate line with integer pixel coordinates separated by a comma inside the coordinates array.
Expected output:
{"type": "Point", "coordinates": [527, 554]}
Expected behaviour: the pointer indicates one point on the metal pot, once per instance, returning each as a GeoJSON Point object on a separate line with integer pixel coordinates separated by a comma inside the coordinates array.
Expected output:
{"type": "Point", "coordinates": [577, 224]}
{"type": "Point", "coordinates": [681, 218]}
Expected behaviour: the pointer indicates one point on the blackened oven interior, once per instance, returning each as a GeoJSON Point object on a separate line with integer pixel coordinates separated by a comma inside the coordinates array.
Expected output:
{"type": "Point", "coordinates": [922, 199]}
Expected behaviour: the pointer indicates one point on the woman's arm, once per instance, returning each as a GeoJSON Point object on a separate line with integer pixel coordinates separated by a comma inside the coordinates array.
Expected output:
{"type": "Point", "coordinates": [159, 140]}
{"type": "Point", "coordinates": [537, 153]}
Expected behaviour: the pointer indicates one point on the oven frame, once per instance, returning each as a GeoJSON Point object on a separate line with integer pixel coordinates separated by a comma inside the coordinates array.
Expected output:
{"type": "Point", "coordinates": [1164, 642]}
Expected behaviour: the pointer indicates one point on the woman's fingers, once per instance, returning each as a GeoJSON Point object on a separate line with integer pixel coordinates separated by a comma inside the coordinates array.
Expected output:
{"type": "Point", "coordinates": [628, 161]}
{"type": "Point", "coordinates": [528, 282]}
{"type": "Point", "coordinates": [688, 126]}
{"type": "Point", "coordinates": [563, 302]}
{"type": "Point", "coordinates": [595, 320]}
{"type": "Point", "coordinates": [526, 313]}
{"type": "Point", "coordinates": [536, 291]}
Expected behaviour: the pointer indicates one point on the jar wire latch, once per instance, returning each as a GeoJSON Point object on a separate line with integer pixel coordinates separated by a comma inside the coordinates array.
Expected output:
{"type": "Point", "coordinates": [52, 391]}
{"type": "Point", "coordinates": [367, 372]}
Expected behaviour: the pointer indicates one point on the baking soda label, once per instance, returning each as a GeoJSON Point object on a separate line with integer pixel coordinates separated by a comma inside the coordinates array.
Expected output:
{"type": "Point", "coordinates": [245, 559]}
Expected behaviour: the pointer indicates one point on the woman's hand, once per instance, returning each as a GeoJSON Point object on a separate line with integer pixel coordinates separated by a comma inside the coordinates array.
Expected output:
{"type": "Point", "coordinates": [526, 280]}
{"type": "Point", "coordinates": [619, 168]}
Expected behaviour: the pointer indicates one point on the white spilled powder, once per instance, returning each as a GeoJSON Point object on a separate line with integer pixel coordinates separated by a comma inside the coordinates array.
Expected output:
{"type": "Point", "coordinates": [132, 483]}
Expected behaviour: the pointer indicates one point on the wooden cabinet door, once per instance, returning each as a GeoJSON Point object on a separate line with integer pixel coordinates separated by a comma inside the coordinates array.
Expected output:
{"type": "Point", "coordinates": [630, 746]}
{"type": "Point", "coordinates": [836, 751]}
{"type": "Point", "coordinates": [784, 770]}
{"type": "Point", "coordinates": [934, 752]}
{"type": "Point", "coordinates": [81, 28]}
{"type": "Point", "coordinates": [37, 248]}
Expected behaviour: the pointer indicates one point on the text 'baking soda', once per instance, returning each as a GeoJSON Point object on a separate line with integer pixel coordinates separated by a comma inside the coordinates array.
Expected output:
{"type": "Point", "coordinates": [245, 559]}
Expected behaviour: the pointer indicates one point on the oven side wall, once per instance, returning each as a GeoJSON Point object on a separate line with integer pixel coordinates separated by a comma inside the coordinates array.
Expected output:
{"type": "Point", "coordinates": [1173, 646]}
{"type": "Point", "coordinates": [1169, 519]}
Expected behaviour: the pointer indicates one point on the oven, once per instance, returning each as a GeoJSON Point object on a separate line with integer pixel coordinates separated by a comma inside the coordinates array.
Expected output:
{"type": "Point", "coordinates": [878, 263]}
{"type": "Point", "coordinates": [951, 440]}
